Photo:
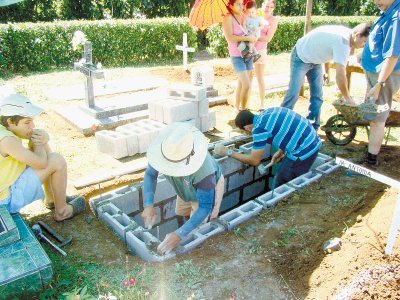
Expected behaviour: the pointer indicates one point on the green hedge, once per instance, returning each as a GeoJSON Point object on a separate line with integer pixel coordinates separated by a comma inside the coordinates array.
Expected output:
{"type": "Point", "coordinates": [290, 29]}
{"type": "Point", "coordinates": [116, 43]}
{"type": "Point", "coordinates": [26, 47]}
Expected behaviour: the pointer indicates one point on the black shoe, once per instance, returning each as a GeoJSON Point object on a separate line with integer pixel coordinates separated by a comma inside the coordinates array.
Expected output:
{"type": "Point", "coordinates": [372, 165]}
{"type": "Point", "coordinates": [256, 57]}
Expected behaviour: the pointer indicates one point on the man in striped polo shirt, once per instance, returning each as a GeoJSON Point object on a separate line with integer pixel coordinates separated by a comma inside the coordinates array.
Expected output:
{"type": "Point", "coordinates": [293, 135]}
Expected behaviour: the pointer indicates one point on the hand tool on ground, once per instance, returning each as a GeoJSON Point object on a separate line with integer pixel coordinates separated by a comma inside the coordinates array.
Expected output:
{"type": "Point", "coordinates": [39, 234]}
{"type": "Point", "coordinates": [55, 235]}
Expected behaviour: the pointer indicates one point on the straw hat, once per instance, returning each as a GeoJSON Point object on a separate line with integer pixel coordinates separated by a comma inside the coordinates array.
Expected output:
{"type": "Point", "coordinates": [179, 150]}
{"type": "Point", "coordinates": [17, 105]}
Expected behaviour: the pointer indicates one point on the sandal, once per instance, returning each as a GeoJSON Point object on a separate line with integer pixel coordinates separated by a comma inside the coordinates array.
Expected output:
{"type": "Point", "coordinates": [68, 200]}
{"type": "Point", "coordinates": [78, 205]}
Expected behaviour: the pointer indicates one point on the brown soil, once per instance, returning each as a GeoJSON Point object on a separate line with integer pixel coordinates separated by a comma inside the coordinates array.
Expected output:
{"type": "Point", "coordinates": [278, 254]}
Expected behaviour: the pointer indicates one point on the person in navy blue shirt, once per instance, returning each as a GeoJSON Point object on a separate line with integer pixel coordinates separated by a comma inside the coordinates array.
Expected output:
{"type": "Point", "coordinates": [382, 68]}
{"type": "Point", "coordinates": [292, 134]}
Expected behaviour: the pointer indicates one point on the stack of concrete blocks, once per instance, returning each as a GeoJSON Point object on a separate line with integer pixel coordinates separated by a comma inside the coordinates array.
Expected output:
{"type": "Point", "coordinates": [246, 194]}
{"type": "Point", "coordinates": [129, 139]}
{"type": "Point", "coordinates": [185, 103]}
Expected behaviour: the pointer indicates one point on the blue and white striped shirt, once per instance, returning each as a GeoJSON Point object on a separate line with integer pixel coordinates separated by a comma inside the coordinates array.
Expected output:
{"type": "Point", "coordinates": [286, 130]}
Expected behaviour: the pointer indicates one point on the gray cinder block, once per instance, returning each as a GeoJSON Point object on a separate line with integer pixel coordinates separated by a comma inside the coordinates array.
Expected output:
{"type": "Point", "coordinates": [246, 148]}
{"type": "Point", "coordinates": [240, 214]}
{"type": "Point", "coordinates": [199, 235]}
{"type": "Point", "coordinates": [229, 165]}
{"type": "Point", "coordinates": [144, 244]}
{"type": "Point", "coordinates": [177, 111]}
{"type": "Point", "coordinates": [327, 167]}
{"type": "Point", "coordinates": [229, 201]}
{"type": "Point", "coordinates": [241, 178]}
{"type": "Point", "coordinates": [112, 143]}
{"type": "Point", "coordinates": [303, 180]}
{"type": "Point", "coordinates": [187, 92]}
{"type": "Point", "coordinates": [270, 199]}
{"type": "Point", "coordinates": [169, 209]}
{"type": "Point", "coordinates": [256, 188]}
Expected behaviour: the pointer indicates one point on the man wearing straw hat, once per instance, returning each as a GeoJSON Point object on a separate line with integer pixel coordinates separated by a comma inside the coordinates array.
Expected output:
{"type": "Point", "coordinates": [180, 153]}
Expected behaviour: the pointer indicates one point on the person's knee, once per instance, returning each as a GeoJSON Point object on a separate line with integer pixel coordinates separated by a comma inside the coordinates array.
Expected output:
{"type": "Point", "coordinates": [56, 161]}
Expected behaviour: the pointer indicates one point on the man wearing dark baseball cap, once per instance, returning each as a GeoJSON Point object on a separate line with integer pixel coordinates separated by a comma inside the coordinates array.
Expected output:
{"type": "Point", "coordinates": [24, 170]}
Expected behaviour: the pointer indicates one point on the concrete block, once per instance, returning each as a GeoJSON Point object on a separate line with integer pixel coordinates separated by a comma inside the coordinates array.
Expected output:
{"type": "Point", "coordinates": [163, 190]}
{"type": "Point", "coordinates": [126, 199]}
{"type": "Point", "coordinates": [304, 180]}
{"type": "Point", "coordinates": [229, 201]}
{"type": "Point", "coordinates": [96, 202]}
{"type": "Point", "coordinates": [254, 189]}
{"type": "Point", "coordinates": [120, 224]}
{"type": "Point", "coordinates": [178, 111]}
{"type": "Point", "coordinates": [152, 108]}
{"type": "Point", "coordinates": [240, 214]}
{"type": "Point", "coordinates": [105, 212]}
{"type": "Point", "coordinates": [169, 209]}
{"type": "Point", "coordinates": [143, 133]}
{"type": "Point", "coordinates": [327, 167]}
{"type": "Point", "coordinates": [272, 197]}
{"type": "Point", "coordinates": [229, 165]}
{"type": "Point", "coordinates": [199, 235]}
{"type": "Point", "coordinates": [241, 178]}
{"type": "Point", "coordinates": [153, 127]}
{"type": "Point", "coordinates": [112, 143]}
{"type": "Point", "coordinates": [321, 159]}
{"type": "Point", "coordinates": [141, 244]}
{"type": "Point", "coordinates": [246, 148]}
{"type": "Point", "coordinates": [203, 107]}
{"type": "Point", "coordinates": [187, 92]}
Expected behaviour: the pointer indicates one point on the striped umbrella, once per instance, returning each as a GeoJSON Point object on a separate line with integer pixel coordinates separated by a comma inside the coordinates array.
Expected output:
{"type": "Point", "coordinates": [207, 12]}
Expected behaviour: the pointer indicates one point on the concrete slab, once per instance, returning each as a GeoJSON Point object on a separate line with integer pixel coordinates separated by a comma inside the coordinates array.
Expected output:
{"type": "Point", "coordinates": [104, 87]}
{"type": "Point", "coordinates": [87, 124]}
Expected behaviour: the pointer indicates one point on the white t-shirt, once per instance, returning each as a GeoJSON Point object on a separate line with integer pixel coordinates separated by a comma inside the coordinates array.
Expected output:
{"type": "Point", "coordinates": [324, 44]}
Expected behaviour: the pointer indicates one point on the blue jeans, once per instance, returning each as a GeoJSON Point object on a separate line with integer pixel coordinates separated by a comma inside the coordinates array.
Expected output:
{"type": "Point", "coordinates": [290, 169]}
{"type": "Point", "coordinates": [298, 70]}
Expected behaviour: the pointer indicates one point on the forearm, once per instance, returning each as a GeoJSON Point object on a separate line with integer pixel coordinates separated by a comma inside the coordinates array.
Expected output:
{"type": "Point", "coordinates": [341, 81]}
{"type": "Point", "coordinates": [206, 200]}
{"type": "Point", "coordinates": [246, 158]}
{"type": "Point", "coordinates": [387, 68]}
{"type": "Point", "coordinates": [149, 186]}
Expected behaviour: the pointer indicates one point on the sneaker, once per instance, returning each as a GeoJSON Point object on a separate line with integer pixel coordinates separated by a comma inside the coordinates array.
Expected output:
{"type": "Point", "coordinates": [256, 57]}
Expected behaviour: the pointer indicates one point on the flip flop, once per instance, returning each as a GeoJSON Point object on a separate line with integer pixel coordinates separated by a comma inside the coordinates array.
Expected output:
{"type": "Point", "coordinates": [78, 205]}
{"type": "Point", "coordinates": [68, 200]}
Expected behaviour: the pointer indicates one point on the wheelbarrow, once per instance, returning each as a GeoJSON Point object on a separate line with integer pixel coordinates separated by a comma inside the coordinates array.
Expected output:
{"type": "Point", "coordinates": [341, 128]}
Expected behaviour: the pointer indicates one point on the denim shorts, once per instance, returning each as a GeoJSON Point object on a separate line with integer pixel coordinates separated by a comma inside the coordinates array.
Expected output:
{"type": "Point", "coordinates": [240, 64]}
{"type": "Point", "coordinates": [26, 189]}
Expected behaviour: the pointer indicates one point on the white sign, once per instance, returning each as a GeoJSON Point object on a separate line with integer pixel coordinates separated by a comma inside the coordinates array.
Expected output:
{"type": "Point", "coordinates": [386, 180]}
{"type": "Point", "coordinates": [185, 49]}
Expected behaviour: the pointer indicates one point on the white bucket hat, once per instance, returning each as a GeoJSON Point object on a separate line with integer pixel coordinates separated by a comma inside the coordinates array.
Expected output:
{"type": "Point", "coordinates": [179, 150]}
{"type": "Point", "coordinates": [17, 105]}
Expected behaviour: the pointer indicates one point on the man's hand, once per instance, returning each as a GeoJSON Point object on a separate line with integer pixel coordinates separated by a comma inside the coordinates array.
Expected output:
{"type": "Point", "coordinates": [374, 92]}
{"type": "Point", "coordinates": [149, 216]}
{"type": "Point", "coordinates": [220, 149]}
{"type": "Point", "coordinates": [39, 137]}
{"type": "Point", "coordinates": [350, 101]}
{"type": "Point", "coordinates": [170, 242]}
{"type": "Point", "coordinates": [277, 157]}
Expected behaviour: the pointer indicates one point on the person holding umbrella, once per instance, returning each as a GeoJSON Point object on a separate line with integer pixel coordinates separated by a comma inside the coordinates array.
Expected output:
{"type": "Point", "coordinates": [232, 26]}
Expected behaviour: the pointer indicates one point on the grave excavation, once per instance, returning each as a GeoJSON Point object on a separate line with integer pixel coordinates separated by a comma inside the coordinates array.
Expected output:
{"type": "Point", "coordinates": [247, 192]}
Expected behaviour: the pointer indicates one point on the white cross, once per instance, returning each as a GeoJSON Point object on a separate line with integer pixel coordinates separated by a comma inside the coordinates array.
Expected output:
{"type": "Point", "coordinates": [185, 49]}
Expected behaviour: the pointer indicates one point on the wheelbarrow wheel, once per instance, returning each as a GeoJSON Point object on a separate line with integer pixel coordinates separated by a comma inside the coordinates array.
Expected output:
{"type": "Point", "coordinates": [339, 131]}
